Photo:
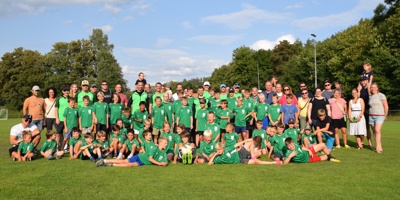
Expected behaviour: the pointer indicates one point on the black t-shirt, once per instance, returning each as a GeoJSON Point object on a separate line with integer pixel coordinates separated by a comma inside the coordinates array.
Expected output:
{"type": "Point", "coordinates": [316, 105]}
{"type": "Point", "coordinates": [364, 95]}
{"type": "Point", "coordinates": [322, 124]}
{"type": "Point", "coordinates": [107, 96]}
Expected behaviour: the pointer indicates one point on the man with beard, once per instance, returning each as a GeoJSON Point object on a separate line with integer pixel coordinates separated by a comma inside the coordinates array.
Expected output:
{"type": "Point", "coordinates": [137, 96]}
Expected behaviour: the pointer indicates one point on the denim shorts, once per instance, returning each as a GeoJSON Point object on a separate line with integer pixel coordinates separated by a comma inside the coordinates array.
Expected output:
{"type": "Point", "coordinates": [376, 120]}
{"type": "Point", "coordinates": [135, 159]}
{"type": "Point", "coordinates": [68, 134]}
{"type": "Point", "coordinates": [39, 124]}
{"type": "Point", "coordinates": [240, 129]}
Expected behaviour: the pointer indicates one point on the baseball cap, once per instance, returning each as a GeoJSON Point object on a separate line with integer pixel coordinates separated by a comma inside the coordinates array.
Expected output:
{"type": "Point", "coordinates": [202, 100]}
{"type": "Point", "coordinates": [93, 85]}
{"type": "Point", "coordinates": [236, 85]}
{"type": "Point", "coordinates": [206, 83]}
{"type": "Point", "coordinates": [222, 85]}
{"type": "Point", "coordinates": [28, 116]}
{"type": "Point", "coordinates": [34, 88]}
{"type": "Point", "coordinates": [85, 82]}
{"type": "Point", "coordinates": [364, 78]}
{"type": "Point", "coordinates": [65, 88]}
{"type": "Point", "coordinates": [231, 90]}
{"type": "Point", "coordinates": [308, 127]}
{"type": "Point", "coordinates": [291, 121]}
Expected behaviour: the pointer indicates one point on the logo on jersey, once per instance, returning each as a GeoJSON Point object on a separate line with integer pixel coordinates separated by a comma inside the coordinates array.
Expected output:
{"type": "Point", "coordinates": [89, 112]}
{"type": "Point", "coordinates": [162, 112]}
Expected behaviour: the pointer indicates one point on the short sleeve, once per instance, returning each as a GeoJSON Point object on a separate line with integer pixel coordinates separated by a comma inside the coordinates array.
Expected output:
{"type": "Point", "coordinates": [382, 97]}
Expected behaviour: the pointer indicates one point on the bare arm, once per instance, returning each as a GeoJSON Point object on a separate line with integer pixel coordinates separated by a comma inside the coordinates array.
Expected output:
{"type": "Point", "coordinates": [328, 108]}
{"type": "Point", "coordinates": [14, 141]}
{"type": "Point", "coordinates": [386, 107]}
{"type": "Point", "coordinates": [25, 107]}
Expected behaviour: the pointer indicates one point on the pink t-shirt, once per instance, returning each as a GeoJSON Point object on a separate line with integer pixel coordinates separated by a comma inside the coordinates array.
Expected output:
{"type": "Point", "coordinates": [336, 110]}
{"type": "Point", "coordinates": [124, 99]}
{"type": "Point", "coordinates": [282, 100]}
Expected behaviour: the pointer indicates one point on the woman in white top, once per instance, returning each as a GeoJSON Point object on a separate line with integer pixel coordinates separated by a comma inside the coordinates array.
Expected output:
{"type": "Point", "coordinates": [49, 105]}
{"type": "Point", "coordinates": [303, 108]}
{"type": "Point", "coordinates": [378, 110]}
{"type": "Point", "coordinates": [356, 118]}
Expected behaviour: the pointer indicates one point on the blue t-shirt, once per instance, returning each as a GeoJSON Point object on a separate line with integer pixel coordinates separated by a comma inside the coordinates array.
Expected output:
{"type": "Point", "coordinates": [289, 112]}
{"type": "Point", "coordinates": [268, 96]}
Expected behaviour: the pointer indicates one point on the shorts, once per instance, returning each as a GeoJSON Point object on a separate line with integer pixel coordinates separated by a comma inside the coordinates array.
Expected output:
{"type": "Point", "coordinates": [135, 159]}
{"type": "Point", "coordinates": [244, 155]}
{"type": "Point", "coordinates": [200, 133]}
{"type": "Point", "coordinates": [265, 122]}
{"type": "Point", "coordinates": [13, 149]}
{"type": "Point", "coordinates": [339, 123]}
{"type": "Point", "coordinates": [86, 130]}
{"type": "Point", "coordinates": [50, 122]}
{"type": "Point", "coordinates": [329, 139]}
{"type": "Point", "coordinates": [68, 134]}
{"type": "Point", "coordinates": [39, 124]}
{"type": "Point", "coordinates": [314, 159]}
{"type": "Point", "coordinates": [278, 155]}
{"type": "Point", "coordinates": [240, 129]}
{"type": "Point", "coordinates": [88, 158]}
{"type": "Point", "coordinates": [156, 131]}
{"type": "Point", "coordinates": [376, 119]}
{"type": "Point", "coordinates": [60, 127]}
{"type": "Point", "coordinates": [126, 154]}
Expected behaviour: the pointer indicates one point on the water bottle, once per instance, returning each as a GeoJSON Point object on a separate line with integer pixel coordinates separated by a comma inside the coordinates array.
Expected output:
{"type": "Point", "coordinates": [355, 119]}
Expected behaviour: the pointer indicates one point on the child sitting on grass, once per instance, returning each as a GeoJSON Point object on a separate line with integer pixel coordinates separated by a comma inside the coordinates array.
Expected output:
{"type": "Point", "coordinates": [130, 146]}
{"type": "Point", "coordinates": [271, 131]}
{"type": "Point", "coordinates": [156, 156]}
{"type": "Point", "coordinates": [207, 148]}
{"type": "Point", "coordinates": [291, 131]}
{"type": "Point", "coordinates": [75, 143]}
{"type": "Point", "coordinates": [278, 143]}
{"type": "Point", "coordinates": [187, 150]}
{"type": "Point", "coordinates": [298, 154]}
{"type": "Point", "coordinates": [87, 148]}
{"type": "Point", "coordinates": [307, 138]}
{"type": "Point", "coordinates": [178, 140]}
{"type": "Point", "coordinates": [230, 137]}
{"type": "Point", "coordinates": [261, 133]}
{"type": "Point", "coordinates": [166, 132]}
{"type": "Point", "coordinates": [48, 149]}
{"type": "Point", "coordinates": [102, 147]}
{"type": "Point", "coordinates": [116, 141]}
{"type": "Point", "coordinates": [25, 148]}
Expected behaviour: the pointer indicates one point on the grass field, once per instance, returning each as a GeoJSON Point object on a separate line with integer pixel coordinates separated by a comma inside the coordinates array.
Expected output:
{"type": "Point", "coordinates": [361, 175]}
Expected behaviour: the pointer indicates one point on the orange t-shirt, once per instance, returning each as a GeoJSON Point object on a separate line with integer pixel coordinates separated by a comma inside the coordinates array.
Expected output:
{"type": "Point", "coordinates": [35, 107]}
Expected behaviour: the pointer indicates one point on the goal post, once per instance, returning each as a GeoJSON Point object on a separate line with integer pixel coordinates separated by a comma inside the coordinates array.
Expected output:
{"type": "Point", "coordinates": [3, 114]}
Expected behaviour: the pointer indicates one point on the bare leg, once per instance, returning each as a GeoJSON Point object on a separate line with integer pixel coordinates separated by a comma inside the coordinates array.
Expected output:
{"type": "Point", "coordinates": [259, 162]}
{"type": "Point", "coordinates": [245, 135]}
{"type": "Point", "coordinates": [197, 140]}
{"type": "Point", "coordinates": [377, 134]}
{"type": "Point", "coordinates": [240, 137]}
{"type": "Point", "coordinates": [337, 139]}
{"type": "Point", "coordinates": [344, 136]}
{"type": "Point", "coordinates": [319, 136]}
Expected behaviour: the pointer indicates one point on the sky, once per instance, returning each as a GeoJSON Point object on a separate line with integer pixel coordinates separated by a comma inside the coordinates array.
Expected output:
{"type": "Point", "coordinates": [175, 39]}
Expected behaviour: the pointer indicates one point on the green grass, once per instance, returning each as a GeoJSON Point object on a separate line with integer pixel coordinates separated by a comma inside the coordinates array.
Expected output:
{"type": "Point", "coordinates": [361, 174]}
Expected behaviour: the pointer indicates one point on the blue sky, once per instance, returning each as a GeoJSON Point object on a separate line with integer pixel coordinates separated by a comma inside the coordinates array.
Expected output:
{"type": "Point", "coordinates": [175, 39]}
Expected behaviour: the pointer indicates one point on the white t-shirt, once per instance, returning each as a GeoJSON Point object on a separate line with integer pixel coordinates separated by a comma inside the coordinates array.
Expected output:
{"type": "Point", "coordinates": [17, 130]}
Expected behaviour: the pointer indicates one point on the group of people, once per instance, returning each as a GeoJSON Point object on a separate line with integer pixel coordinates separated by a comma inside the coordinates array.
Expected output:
{"type": "Point", "coordinates": [224, 125]}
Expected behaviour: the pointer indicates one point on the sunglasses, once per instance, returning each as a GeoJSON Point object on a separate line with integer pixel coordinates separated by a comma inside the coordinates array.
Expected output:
{"type": "Point", "coordinates": [305, 93]}
{"type": "Point", "coordinates": [302, 86]}
{"type": "Point", "coordinates": [28, 120]}
{"type": "Point", "coordinates": [286, 89]}
{"type": "Point", "coordinates": [104, 84]}
{"type": "Point", "coordinates": [84, 85]}
{"type": "Point", "coordinates": [327, 85]}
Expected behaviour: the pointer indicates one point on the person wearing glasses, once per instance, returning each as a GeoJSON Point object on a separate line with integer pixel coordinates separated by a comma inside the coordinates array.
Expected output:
{"type": "Point", "coordinates": [60, 106]}
{"type": "Point", "coordinates": [84, 92]}
{"type": "Point", "coordinates": [16, 133]}
{"type": "Point", "coordinates": [303, 103]}
{"type": "Point", "coordinates": [35, 105]}
{"type": "Point", "coordinates": [107, 93]}
{"type": "Point", "coordinates": [316, 103]}
{"type": "Point", "coordinates": [327, 92]}
{"type": "Point", "coordinates": [286, 91]}
{"type": "Point", "coordinates": [302, 87]}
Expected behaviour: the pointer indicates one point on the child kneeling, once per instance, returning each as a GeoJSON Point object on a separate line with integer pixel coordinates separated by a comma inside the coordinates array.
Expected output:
{"type": "Point", "coordinates": [49, 147]}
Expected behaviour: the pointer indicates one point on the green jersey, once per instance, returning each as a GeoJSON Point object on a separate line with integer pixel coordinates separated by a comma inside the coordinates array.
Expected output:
{"type": "Point", "coordinates": [311, 138]}
{"type": "Point", "coordinates": [170, 137]}
{"type": "Point", "coordinates": [191, 101]}
{"type": "Point", "coordinates": [201, 117]}
{"type": "Point", "coordinates": [223, 113]}
{"type": "Point", "coordinates": [153, 98]}
{"type": "Point", "coordinates": [61, 104]}
{"type": "Point", "coordinates": [169, 108]}
{"type": "Point", "coordinates": [292, 133]}
{"type": "Point", "coordinates": [263, 136]}
{"type": "Point", "coordinates": [230, 156]}
{"type": "Point", "coordinates": [24, 147]}
{"type": "Point", "coordinates": [274, 111]}
{"type": "Point", "coordinates": [79, 98]}
{"type": "Point", "coordinates": [136, 98]}
{"type": "Point", "coordinates": [236, 95]}
{"type": "Point", "coordinates": [120, 138]}
{"type": "Point", "coordinates": [231, 103]}
{"type": "Point", "coordinates": [278, 141]}
{"type": "Point", "coordinates": [261, 110]}
{"type": "Point", "coordinates": [176, 107]}
{"type": "Point", "coordinates": [129, 144]}
{"type": "Point", "coordinates": [100, 109]}
{"type": "Point", "coordinates": [158, 116]}
{"type": "Point", "coordinates": [104, 145]}
{"type": "Point", "coordinates": [184, 114]}
{"type": "Point", "coordinates": [223, 96]}
{"type": "Point", "coordinates": [206, 95]}
{"type": "Point", "coordinates": [214, 104]}
{"type": "Point", "coordinates": [178, 139]}
{"type": "Point", "coordinates": [197, 103]}
{"type": "Point", "coordinates": [248, 103]}
{"type": "Point", "coordinates": [90, 148]}
{"type": "Point", "coordinates": [71, 115]}
{"type": "Point", "coordinates": [148, 145]}
{"type": "Point", "coordinates": [301, 156]}
{"type": "Point", "coordinates": [240, 114]}
{"type": "Point", "coordinates": [137, 115]}
{"type": "Point", "coordinates": [85, 113]}
{"type": "Point", "coordinates": [231, 139]}
{"type": "Point", "coordinates": [214, 129]}
{"type": "Point", "coordinates": [115, 111]}
{"type": "Point", "coordinates": [207, 148]}
{"type": "Point", "coordinates": [49, 145]}
{"type": "Point", "coordinates": [155, 153]}
{"type": "Point", "coordinates": [141, 137]}
{"type": "Point", "coordinates": [126, 120]}
{"type": "Point", "coordinates": [73, 141]}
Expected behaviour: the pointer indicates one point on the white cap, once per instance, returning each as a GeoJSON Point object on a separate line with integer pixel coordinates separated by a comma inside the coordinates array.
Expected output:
{"type": "Point", "coordinates": [34, 88]}
{"type": "Point", "coordinates": [206, 83]}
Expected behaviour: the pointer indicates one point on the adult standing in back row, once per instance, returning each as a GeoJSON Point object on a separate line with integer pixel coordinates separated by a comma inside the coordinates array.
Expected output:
{"type": "Point", "coordinates": [122, 96]}
{"type": "Point", "coordinates": [138, 96]}
{"type": "Point", "coordinates": [34, 105]}
{"type": "Point", "coordinates": [84, 92]}
{"type": "Point", "coordinates": [378, 111]}
{"type": "Point", "coordinates": [316, 103]}
{"type": "Point", "coordinates": [107, 93]}
{"type": "Point", "coordinates": [268, 92]}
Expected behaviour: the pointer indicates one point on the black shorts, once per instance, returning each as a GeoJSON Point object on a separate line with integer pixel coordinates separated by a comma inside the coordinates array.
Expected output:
{"type": "Point", "coordinates": [50, 122]}
{"type": "Point", "coordinates": [126, 154]}
{"type": "Point", "coordinates": [200, 133]}
{"type": "Point", "coordinates": [339, 123]}
{"type": "Point", "coordinates": [87, 157]}
{"type": "Point", "coordinates": [278, 155]}
{"type": "Point", "coordinates": [244, 155]}
{"type": "Point", "coordinates": [60, 128]}
{"type": "Point", "coordinates": [248, 126]}
{"type": "Point", "coordinates": [13, 149]}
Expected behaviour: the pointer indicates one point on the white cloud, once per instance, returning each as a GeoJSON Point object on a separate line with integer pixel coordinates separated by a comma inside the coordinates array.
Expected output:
{"type": "Point", "coordinates": [106, 28]}
{"type": "Point", "coordinates": [127, 18]}
{"type": "Point", "coordinates": [111, 8]}
{"type": "Point", "coordinates": [245, 18]}
{"type": "Point", "coordinates": [295, 6]}
{"type": "Point", "coordinates": [187, 25]}
{"type": "Point", "coordinates": [141, 8]}
{"type": "Point", "coordinates": [161, 54]}
{"type": "Point", "coordinates": [162, 42]}
{"type": "Point", "coordinates": [266, 44]}
{"type": "Point", "coordinates": [68, 22]}
{"type": "Point", "coordinates": [12, 7]}
{"type": "Point", "coordinates": [217, 39]}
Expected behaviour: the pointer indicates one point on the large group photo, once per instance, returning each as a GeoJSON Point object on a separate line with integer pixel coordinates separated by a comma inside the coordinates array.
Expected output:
{"type": "Point", "coordinates": [320, 116]}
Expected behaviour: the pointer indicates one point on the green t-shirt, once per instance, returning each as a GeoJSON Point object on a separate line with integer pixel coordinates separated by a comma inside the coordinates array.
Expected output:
{"type": "Point", "coordinates": [61, 104]}
{"type": "Point", "coordinates": [184, 114]}
{"type": "Point", "coordinates": [201, 117]}
{"type": "Point", "coordinates": [274, 111]}
{"type": "Point", "coordinates": [178, 139]}
{"type": "Point", "coordinates": [311, 138]}
{"type": "Point", "coordinates": [292, 133]}
{"type": "Point", "coordinates": [261, 110]}
{"type": "Point", "coordinates": [104, 145]}
{"type": "Point", "coordinates": [236, 95]}
{"type": "Point", "coordinates": [278, 141]}
{"type": "Point", "coordinates": [207, 148]}
{"type": "Point", "coordinates": [231, 103]}
{"type": "Point", "coordinates": [263, 136]}
{"type": "Point", "coordinates": [115, 111]}
{"type": "Point", "coordinates": [85, 113]}
{"type": "Point", "coordinates": [24, 147]}
{"type": "Point", "coordinates": [126, 120]}
{"type": "Point", "coordinates": [136, 99]}
{"type": "Point", "coordinates": [148, 145]}
{"type": "Point", "coordinates": [213, 104]}
{"type": "Point", "coordinates": [197, 103]}
{"type": "Point", "coordinates": [120, 138]}
{"type": "Point", "coordinates": [170, 137]}
{"type": "Point", "coordinates": [158, 116]}
{"type": "Point", "coordinates": [101, 109]}
{"type": "Point", "coordinates": [155, 153]}
{"type": "Point", "coordinates": [223, 113]}
{"type": "Point", "coordinates": [230, 156]}
{"type": "Point", "coordinates": [123, 132]}
{"type": "Point", "coordinates": [231, 139]}
{"type": "Point", "coordinates": [240, 114]}
{"type": "Point", "coordinates": [139, 116]}
{"type": "Point", "coordinates": [153, 98]}
{"type": "Point", "coordinates": [169, 108]}
{"type": "Point", "coordinates": [141, 137]}
{"type": "Point", "coordinates": [71, 115]}
{"type": "Point", "coordinates": [90, 148]}
{"type": "Point", "coordinates": [248, 103]}
{"type": "Point", "coordinates": [301, 156]}
{"type": "Point", "coordinates": [129, 144]}
{"type": "Point", "coordinates": [214, 129]}
{"type": "Point", "coordinates": [206, 95]}
{"type": "Point", "coordinates": [48, 145]}
{"type": "Point", "coordinates": [176, 107]}
{"type": "Point", "coordinates": [79, 98]}
{"type": "Point", "coordinates": [190, 101]}
{"type": "Point", "coordinates": [223, 96]}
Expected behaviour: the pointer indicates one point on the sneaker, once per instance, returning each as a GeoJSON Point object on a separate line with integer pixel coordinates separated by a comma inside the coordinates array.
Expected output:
{"type": "Point", "coordinates": [334, 160]}
{"type": "Point", "coordinates": [346, 146]}
{"type": "Point", "coordinates": [119, 157]}
{"type": "Point", "coordinates": [337, 146]}
{"type": "Point", "coordinates": [108, 164]}
{"type": "Point", "coordinates": [92, 159]}
{"type": "Point", "coordinates": [278, 162]}
{"type": "Point", "coordinates": [14, 159]}
{"type": "Point", "coordinates": [50, 157]}
{"type": "Point", "coordinates": [66, 151]}
{"type": "Point", "coordinates": [100, 163]}
{"type": "Point", "coordinates": [189, 158]}
{"type": "Point", "coordinates": [184, 158]}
